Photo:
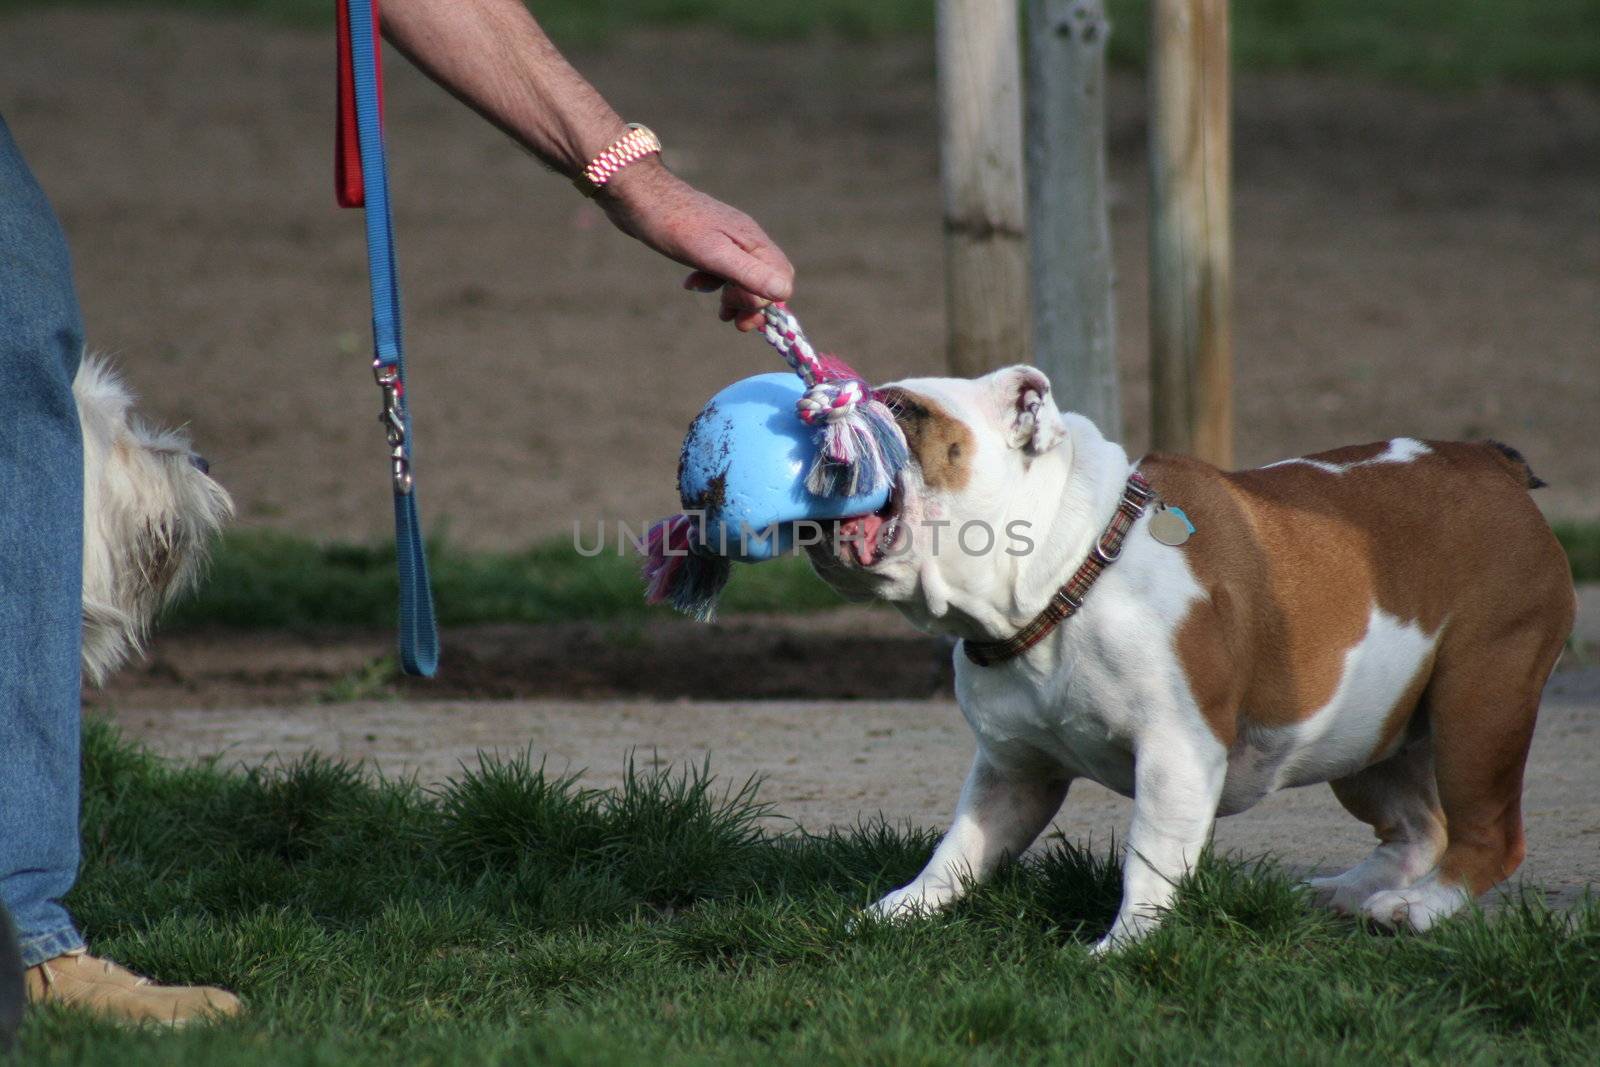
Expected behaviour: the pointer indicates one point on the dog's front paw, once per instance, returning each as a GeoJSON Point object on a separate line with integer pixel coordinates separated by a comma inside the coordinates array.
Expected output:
{"type": "Point", "coordinates": [1129, 927]}
{"type": "Point", "coordinates": [904, 904]}
{"type": "Point", "coordinates": [1105, 946]}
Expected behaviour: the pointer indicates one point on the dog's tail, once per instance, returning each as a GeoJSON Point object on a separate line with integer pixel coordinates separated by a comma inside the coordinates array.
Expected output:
{"type": "Point", "coordinates": [1518, 465]}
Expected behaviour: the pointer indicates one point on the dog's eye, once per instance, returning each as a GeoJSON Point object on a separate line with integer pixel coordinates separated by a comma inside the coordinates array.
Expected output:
{"type": "Point", "coordinates": [905, 411]}
{"type": "Point", "coordinates": [954, 452]}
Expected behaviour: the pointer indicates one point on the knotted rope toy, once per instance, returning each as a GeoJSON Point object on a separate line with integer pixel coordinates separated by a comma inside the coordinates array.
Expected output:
{"type": "Point", "coordinates": [749, 469]}
{"type": "Point", "coordinates": [859, 446]}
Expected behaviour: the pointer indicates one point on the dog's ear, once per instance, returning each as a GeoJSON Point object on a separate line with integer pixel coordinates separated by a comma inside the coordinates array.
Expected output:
{"type": "Point", "coordinates": [1029, 415]}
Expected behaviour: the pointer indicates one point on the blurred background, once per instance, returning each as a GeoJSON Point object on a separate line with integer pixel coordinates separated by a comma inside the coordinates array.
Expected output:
{"type": "Point", "coordinates": [1416, 223]}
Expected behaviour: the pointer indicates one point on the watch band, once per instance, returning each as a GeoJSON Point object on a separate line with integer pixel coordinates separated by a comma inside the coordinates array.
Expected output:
{"type": "Point", "coordinates": [638, 142]}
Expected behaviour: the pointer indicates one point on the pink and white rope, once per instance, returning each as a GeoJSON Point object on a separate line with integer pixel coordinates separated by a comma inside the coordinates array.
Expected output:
{"type": "Point", "coordinates": [859, 446]}
{"type": "Point", "coordinates": [833, 390]}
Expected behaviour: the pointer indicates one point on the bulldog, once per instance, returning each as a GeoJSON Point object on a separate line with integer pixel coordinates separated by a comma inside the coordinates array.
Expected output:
{"type": "Point", "coordinates": [1381, 617]}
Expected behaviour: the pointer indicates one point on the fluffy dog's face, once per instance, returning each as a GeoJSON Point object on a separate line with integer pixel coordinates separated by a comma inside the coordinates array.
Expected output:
{"type": "Point", "coordinates": [150, 510]}
{"type": "Point", "coordinates": [961, 504]}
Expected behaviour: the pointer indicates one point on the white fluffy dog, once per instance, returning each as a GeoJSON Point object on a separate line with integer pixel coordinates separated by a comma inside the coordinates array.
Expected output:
{"type": "Point", "coordinates": [150, 510]}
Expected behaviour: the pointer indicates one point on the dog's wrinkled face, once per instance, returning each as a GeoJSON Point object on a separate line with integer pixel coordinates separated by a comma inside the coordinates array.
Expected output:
{"type": "Point", "coordinates": [150, 510]}
{"type": "Point", "coordinates": [962, 504]}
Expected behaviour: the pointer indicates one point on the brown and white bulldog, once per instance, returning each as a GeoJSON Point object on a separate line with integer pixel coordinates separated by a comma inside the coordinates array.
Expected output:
{"type": "Point", "coordinates": [1381, 617]}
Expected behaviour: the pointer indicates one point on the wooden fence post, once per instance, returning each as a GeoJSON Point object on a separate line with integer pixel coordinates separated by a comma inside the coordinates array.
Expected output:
{"type": "Point", "coordinates": [980, 162]}
{"type": "Point", "coordinates": [1069, 227]}
{"type": "Point", "coordinates": [1191, 316]}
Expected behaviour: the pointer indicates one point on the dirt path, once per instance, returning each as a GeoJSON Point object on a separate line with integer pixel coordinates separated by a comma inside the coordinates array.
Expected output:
{"type": "Point", "coordinates": [829, 762]}
{"type": "Point", "coordinates": [845, 654]}
{"type": "Point", "coordinates": [1406, 262]}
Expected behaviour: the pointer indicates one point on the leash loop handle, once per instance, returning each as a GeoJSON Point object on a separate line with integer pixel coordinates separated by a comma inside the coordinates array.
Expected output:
{"type": "Point", "coordinates": [360, 94]}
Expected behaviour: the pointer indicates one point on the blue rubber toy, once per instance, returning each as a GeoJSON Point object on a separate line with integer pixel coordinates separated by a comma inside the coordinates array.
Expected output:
{"type": "Point", "coordinates": [744, 465]}
{"type": "Point", "coordinates": [764, 454]}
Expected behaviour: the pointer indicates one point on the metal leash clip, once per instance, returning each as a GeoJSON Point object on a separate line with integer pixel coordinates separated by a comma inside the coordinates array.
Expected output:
{"type": "Point", "coordinates": [393, 418]}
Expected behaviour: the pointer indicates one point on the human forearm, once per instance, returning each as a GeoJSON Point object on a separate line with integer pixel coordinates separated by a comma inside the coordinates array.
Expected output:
{"type": "Point", "coordinates": [493, 56]}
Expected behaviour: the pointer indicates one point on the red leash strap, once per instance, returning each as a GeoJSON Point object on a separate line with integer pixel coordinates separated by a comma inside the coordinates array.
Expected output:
{"type": "Point", "coordinates": [347, 182]}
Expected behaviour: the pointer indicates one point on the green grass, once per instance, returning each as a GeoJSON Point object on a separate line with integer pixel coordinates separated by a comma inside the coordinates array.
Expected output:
{"type": "Point", "coordinates": [1435, 42]}
{"type": "Point", "coordinates": [589, 22]}
{"type": "Point", "coordinates": [1439, 43]}
{"type": "Point", "coordinates": [1582, 542]}
{"type": "Point", "coordinates": [260, 579]}
{"type": "Point", "coordinates": [515, 917]}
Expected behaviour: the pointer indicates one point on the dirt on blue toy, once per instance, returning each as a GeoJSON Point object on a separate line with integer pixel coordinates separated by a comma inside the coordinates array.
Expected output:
{"type": "Point", "coordinates": [764, 454]}
{"type": "Point", "coordinates": [743, 471]}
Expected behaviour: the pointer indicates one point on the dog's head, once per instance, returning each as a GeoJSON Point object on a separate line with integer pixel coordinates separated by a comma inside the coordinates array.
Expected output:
{"type": "Point", "coordinates": [962, 502]}
{"type": "Point", "coordinates": [150, 511]}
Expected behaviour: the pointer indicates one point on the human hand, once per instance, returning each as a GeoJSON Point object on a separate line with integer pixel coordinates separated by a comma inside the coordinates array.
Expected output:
{"type": "Point", "coordinates": [726, 248]}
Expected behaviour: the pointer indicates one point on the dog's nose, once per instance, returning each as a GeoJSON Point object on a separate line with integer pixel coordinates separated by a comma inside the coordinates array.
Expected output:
{"type": "Point", "coordinates": [200, 463]}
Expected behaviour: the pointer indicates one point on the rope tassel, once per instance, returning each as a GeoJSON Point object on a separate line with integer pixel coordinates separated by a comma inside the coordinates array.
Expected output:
{"type": "Point", "coordinates": [680, 571]}
{"type": "Point", "coordinates": [860, 448]}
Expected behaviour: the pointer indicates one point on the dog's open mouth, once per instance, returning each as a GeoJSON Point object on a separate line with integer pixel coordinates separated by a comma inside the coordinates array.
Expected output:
{"type": "Point", "coordinates": [867, 540]}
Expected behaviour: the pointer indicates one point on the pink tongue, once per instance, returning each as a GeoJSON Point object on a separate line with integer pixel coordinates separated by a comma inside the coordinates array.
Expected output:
{"type": "Point", "coordinates": [859, 535]}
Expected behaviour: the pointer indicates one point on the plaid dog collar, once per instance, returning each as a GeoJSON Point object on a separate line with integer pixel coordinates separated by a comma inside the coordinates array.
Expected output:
{"type": "Point", "coordinates": [1069, 598]}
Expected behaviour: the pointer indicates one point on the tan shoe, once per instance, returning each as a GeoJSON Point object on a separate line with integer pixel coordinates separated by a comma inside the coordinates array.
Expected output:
{"type": "Point", "coordinates": [79, 980]}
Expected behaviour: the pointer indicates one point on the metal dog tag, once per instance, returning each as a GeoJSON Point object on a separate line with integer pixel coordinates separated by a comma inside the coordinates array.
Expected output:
{"type": "Point", "coordinates": [1169, 528]}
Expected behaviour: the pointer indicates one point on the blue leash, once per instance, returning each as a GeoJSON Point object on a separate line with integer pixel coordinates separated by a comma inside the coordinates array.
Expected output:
{"type": "Point", "coordinates": [419, 633]}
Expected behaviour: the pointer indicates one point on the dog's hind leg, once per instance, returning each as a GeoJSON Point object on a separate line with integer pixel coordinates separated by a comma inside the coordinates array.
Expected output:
{"type": "Point", "coordinates": [998, 815]}
{"type": "Point", "coordinates": [1481, 710]}
{"type": "Point", "coordinates": [1398, 799]}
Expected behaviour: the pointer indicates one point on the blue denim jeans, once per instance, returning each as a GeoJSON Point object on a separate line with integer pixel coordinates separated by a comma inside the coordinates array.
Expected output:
{"type": "Point", "coordinates": [41, 564]}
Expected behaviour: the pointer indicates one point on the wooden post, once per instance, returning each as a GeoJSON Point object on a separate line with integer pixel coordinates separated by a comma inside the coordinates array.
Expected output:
{"type": "Point", "coordinates": [1191, 317]}
{"type": "Point", "coordinates": [1069, 225]}
{"type": "Point", "coordinates": [980, 161]}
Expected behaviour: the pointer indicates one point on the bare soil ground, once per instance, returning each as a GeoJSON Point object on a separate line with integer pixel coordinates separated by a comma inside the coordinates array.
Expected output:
{"type": "Point", "coordinates": [1406, 262]}
{"type": "Point", "coordinates": [847, 654]}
